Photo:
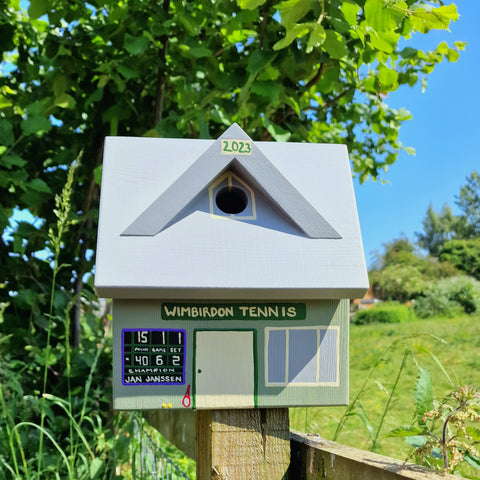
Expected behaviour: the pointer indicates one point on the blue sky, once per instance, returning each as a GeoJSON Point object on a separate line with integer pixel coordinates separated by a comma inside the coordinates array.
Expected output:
{"type": "Point", "coordinates": [445, 133]}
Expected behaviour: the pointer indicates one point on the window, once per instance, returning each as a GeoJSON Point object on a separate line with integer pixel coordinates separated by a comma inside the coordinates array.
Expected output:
{"type": "Point", "coordinates": [302, 356]}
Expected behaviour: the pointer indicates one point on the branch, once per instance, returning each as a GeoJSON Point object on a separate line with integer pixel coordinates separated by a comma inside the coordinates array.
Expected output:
{"type": "Point", "coordinates": [317, 77]}
{"type": "Point", "coordinates": [333, 101]}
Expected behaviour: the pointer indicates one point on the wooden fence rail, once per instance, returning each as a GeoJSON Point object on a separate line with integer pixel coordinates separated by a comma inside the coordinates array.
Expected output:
{"type": "Point", "coordinates": [311, 457]}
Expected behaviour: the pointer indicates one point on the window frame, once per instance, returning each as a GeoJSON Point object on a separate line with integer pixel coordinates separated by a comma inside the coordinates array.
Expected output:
{"type": "Point", "coordinates": [318, 353]}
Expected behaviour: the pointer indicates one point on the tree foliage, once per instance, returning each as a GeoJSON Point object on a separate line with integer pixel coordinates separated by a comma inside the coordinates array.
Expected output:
{"type": "Point", "coordinates": [468, 201]}
{"type": "Point", "coordinates": [464, 254]}
{"type": "Point", "coordinates": [403, 274]}
{"type": "Point", "coordinates": [74, 72]}
{"type": "Point", "coordinates": [438, 228]}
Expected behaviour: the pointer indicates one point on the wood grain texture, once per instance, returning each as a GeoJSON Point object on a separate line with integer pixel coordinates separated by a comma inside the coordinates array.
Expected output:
{"type": "Point", "coordinates": [243, 444]}
{"type": "Point", "coordinates": [314, 458]}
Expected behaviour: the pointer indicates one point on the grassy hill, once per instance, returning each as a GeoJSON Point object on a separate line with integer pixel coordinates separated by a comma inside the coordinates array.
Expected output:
{"type": "Point", "coordinates": [454, 343]}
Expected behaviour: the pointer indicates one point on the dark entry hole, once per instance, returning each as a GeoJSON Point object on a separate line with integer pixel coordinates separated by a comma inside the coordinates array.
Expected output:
{"type": "Point", "coordinates": [231, 200]}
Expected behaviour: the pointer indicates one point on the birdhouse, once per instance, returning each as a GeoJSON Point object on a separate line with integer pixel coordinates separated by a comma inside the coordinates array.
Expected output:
{"type": "Point", "coordinates": [230, 264]}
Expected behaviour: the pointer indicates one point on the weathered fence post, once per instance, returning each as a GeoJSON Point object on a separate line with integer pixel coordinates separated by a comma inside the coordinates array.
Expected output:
{"type": "Point", "coordinates": [251, 444]}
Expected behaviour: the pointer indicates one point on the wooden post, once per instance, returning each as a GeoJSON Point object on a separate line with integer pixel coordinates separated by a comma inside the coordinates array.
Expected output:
{"type": "Point", "coordinates": [243, 444]}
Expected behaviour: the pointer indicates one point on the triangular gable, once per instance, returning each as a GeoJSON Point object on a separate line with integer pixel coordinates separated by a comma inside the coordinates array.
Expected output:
{"type": "Point", "coordinates": [250, 163]}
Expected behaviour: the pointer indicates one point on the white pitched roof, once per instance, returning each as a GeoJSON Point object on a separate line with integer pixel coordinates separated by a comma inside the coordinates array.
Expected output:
{"type": "Point", "coordinates": [158, 238]}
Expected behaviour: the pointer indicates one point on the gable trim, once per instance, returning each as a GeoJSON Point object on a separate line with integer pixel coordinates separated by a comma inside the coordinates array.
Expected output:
{"type": "Point", "coordinates": [260, 173]}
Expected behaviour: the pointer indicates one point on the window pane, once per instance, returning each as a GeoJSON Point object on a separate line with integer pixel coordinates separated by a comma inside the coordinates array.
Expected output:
{"type": "Point", "coordinates": [302, 356]}
{"type": "Point", "coordinates": [328, 356]}
{"type": "Point", "coordinates": [276, 356]}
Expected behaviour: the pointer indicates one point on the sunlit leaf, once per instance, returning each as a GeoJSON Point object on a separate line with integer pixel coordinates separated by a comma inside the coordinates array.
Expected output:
{"type": "Point", "coordinates": [65, 100]}
{"type": "Point", "coordinates": [383, 15]}
{"type": "Point", "coordinates": [250, 4]}
{"type": "Point", "coordinates": [406, 431]}
{"type": "Point", "coordinates": [350, 11]}
{"type": "Point", "coordinates": [335, 44]}
{"type": "Point", "coordinates": [423, 394]}
{"type": "Point", "coordinates": [292, 34]}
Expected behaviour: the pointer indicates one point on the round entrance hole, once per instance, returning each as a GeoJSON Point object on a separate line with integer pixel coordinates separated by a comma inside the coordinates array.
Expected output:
{"type": "Point", "coordinates": [231, 200]}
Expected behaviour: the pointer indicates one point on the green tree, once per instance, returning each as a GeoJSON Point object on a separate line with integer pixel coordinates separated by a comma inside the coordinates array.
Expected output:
{"type": "Point", "coordinates": [464, 254]}
{"type": "Point", "coordinates": [438, 228]}
{"type": "Point", "coordinates": [74, 72]}
{"type": "Point", "coordinates": [469, 202]}
{"type": "Point", "coordinates": [402, 273]}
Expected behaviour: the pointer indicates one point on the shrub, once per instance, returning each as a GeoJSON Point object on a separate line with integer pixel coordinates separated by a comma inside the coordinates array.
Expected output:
{"type": "Point", "coordinates": [464, 254]}
{"type": "Point", "coordinates": [398, 282]}
{"type": "Point", "coordinates": [449, 296]}
{"type": "Point", "coordinates": [384, 313]}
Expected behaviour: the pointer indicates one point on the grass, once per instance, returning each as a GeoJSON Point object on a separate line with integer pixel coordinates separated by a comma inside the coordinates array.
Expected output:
{"type": "Point", "coordinates": [455, 343]}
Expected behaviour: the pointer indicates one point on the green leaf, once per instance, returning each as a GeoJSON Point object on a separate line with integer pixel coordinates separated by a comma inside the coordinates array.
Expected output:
{"type": "Point", "coordinates": [291, 11]}
{"type": "Point", "coordinates": [65, 100]}
{"type": "Point", "coordinates": [135, 45]}
{"type": "Point", "coordinates": [267, 89]}
{"type": "Point", "coordinates": [384, 41]}
{"type": "Point", "coordinates": [127, 70]}
{"type": "Point", "coordinates": [39, 185]}
{"type": "Point", "coordinates": [35, 124]}
{"type": "Point", "coordinates": [13, 161]}
{"type": "Point", "coordinates": [407, 431]}
{"type": "Point", "coordinates": [384, 16]}
{"type": "Point", "coordinates": [97, 175]}
{"type": "Point", "coordinates": [317, 37]}
{"type": "Point", "coordinates": [6, 133]}
{"type": "Point", "coordinates": [472, 460]}
{"type": "Point", "coordinates": [408, 52]}
{"type": "Point", "coordinates": [350, 11]}
{"type": "Point", "coordinates": [423, 395]}
{"type": "Point", "coordinates": [452, 55]}
{"type": "Point", "coordinates": [424, 349]}
{"type": "Point", "coordinates": [250, 4]}
{"type": "Point", "coordinates": [258, 60]}
{"type": "Point", "coordinates": [37, 8]}
{"type": "Point", "coordinates": [424, 20]}
{"type": "Point", "coordinates": [474, 432]}
{"type": "Point", "coordinates": [388, 79]}
{"type": "Point", "coordinates": [96, 96]}
{"type": "Point", "coordinates": [95, 466]}
{"type": "Point", "coordinates": [292, 34]}
{"type": "Point", "coordinates": [277, 132]}
{"type": "Point", "coordinates": [200, 52]}
{"type": "Point", "coordinates": [335, 45]}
